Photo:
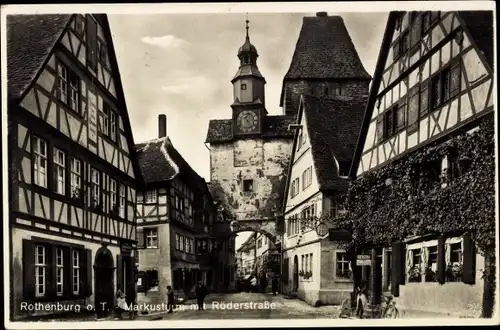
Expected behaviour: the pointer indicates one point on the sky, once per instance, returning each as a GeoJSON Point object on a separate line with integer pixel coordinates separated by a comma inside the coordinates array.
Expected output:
{"type": "Point", "coordinates": [181, 65]}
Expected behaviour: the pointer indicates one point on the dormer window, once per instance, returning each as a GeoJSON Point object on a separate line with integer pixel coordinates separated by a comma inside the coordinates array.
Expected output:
{"type": "Point", "coordinates": [244, 87]}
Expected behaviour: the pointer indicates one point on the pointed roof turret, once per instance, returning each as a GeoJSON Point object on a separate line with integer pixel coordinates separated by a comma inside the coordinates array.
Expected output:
{"type": "Point", "coordinates": [247, 47]}
{"type": "Point", "coordinates": [247, 54]}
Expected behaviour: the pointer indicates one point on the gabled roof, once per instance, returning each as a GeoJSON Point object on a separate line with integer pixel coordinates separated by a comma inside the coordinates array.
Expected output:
{"type": "Point", "coordinates": [30, 39]}
{"type": "Point", "coordinates": [333, 125]}
{"type": "Point", "coordinates": [221, 130]}
{"type": "Point", "coordinates": [325, 50]}
{"type": "Point", "coordinates": [30, 43]}
{"type": "Point", "coordinates": [479, 24]}
{"type": "Point", "coordinates": [160, 162]}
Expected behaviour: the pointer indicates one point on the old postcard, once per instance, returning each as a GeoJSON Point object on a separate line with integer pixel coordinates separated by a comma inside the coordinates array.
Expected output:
{"type": "Point", "coordinates": [250, 164]}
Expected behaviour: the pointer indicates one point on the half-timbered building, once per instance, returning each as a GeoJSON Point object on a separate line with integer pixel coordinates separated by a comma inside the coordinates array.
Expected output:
{"type": "Point", "coordinates": [176, 219]}
{"type": "Point", "coordinates": [433, 81]}
{"type": "Point", "coordinates": [72, 168]}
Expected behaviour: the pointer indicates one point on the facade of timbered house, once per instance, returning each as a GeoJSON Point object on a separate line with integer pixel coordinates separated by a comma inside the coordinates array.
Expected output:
{"type": "Point", "coordinates": [72, 168]}
{"type": "Point", "coordinates": [433, 81]}
{"type": "Point", "coordinates": [177, 221]}
{"type": "Point", "coordinates": [329, 108]}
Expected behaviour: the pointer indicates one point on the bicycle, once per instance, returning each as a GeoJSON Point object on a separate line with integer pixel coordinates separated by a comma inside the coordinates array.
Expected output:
{"type": "Point", "coordinates": [387, 309]}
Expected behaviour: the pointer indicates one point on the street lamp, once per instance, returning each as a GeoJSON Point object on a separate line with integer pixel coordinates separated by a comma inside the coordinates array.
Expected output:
{"type": "Point", "coordinates": [234, 226]}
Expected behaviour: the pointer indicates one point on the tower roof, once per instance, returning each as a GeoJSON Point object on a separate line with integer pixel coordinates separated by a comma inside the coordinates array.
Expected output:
{"type": "Point", "coordinates": [247, 47]}
{"type": "Point", "coordinates": [325, 50]}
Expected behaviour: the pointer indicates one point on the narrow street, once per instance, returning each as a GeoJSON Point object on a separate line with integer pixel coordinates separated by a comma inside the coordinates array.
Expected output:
{"type": "Point", "coordinates": [252, 306]}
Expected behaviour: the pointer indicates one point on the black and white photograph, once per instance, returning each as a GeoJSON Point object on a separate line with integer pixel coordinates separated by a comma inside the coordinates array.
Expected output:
{"type": "Point", "coordinates": [249, 164]}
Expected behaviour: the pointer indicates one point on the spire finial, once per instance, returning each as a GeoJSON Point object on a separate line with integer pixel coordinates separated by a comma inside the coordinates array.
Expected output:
{"type": "Point", "coordinates": [247, 21]}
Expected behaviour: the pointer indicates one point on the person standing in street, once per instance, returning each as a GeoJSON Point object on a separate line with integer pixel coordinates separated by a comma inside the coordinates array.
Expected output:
{"type": "Point", "coordinates": [170, 299]}
{"type": "Point", "coordinates": [201, 292]}
{"type": "Point", "coordinates": [274, 284]}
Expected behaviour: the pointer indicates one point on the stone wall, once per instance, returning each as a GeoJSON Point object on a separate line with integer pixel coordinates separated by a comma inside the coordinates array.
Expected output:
{"type": "Point", "coordinates": [264, 162]}
{"type": "Point", "coordinates": [295, 88]}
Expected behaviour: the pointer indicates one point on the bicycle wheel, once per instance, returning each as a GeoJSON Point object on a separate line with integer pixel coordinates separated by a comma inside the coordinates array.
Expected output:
{"type": "Point", "coordinates": [391, 313]}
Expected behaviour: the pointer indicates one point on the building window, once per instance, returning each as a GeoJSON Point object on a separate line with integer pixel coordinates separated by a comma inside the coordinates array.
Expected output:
{"type": "Point", "coordinates": [40, 162]}
{"type": "Point", "coordinates": [76, 272]}
{"type": "Point", "coordinates": [416, 29]}
{"type": "Point", "coordinates": [59, 171]}
{"type": "Point", "coordinates": [451, 82]}
{"type": "Point", "coordinates": [110, 123]}
{"type": "Point", "coordinates": [113, 192]}
{"type": "Point", "coordinates": [151, 238]}
{"type": "Point", "coordinates": [76, 178]}
{"type": "Point", "coordinates": [307, 178]}
{"type": "Point", "coordinates": [454, 267]}
{"type": "Point", "coordinates": [69, 87]}
{"type": "Point", "coordinates": [151, 197]}
{"type": "Point", "coordinates": [302, 262]}
{"type": "Point", "coordinates": [416, 265]}
{"type": "Point", "coordinates": [95, 188]}
{"type": "Point", "coordinates": [102, 52]}
{"type": "Point", "coordinates": [431, 267]}
{"type": "Point", "coordinates": [436, 97]}
{"type": "Point", "coordinates": [426, 22]}
{"type": "Point", "coordinates": [394, 120]}
{"type": "Point", "coordinates": [310, 263]}
{"type": "Point", "coordinates": [338, 91]}
{"type": "Point", "coordinates": [424, 100]}
{"type": "Point", "coordinates": [399, 117]}
{"type": "Point", "coordinates": [259, 243]}
{"type": "Point", "coordinates": [243, 87]}
{"type": "Point", "coordinates": [342, 266]}
{"type": "Point", "coordinates": [299, 140]}
{"type": "Point", "coordinates": [179, 202]}
{"type": "Point", "coordinates": [295, 187]}
{"type": "Point", "coordinates": [177, 241]}
{"type": "Point", "coordinates": [59, 272]}
{"type": "Point", "coordinates": [248, 186]}
{"type": "Point", "coordinates": [122, 201]}
{"type": "Point", "coordinates": [405, 42]}
{"type": "Point", "coordinates": [413, 109]}
{"type": "Point", "coordinates": [183, 243]}
{"type": "Point", "coordinates": [40, 270]}
{"type": "Point", "coordinates": [79, 26]}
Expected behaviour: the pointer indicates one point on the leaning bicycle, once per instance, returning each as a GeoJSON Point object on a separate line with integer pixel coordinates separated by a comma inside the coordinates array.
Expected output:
{"type": "Point", "coordinates": [387, 309]}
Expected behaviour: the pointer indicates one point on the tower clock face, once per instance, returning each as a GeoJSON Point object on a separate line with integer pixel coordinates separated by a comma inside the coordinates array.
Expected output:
{"type": "Point", "coordinates": [247, 121]}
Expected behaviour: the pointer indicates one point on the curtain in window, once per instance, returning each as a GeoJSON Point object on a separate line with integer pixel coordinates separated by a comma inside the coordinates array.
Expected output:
{"type": "Point", "coordinates": [409, 260]}
{"type": "Point", "coordinates": [425, 257]}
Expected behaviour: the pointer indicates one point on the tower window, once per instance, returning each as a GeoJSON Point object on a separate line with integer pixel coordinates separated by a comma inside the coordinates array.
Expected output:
{"type": "Point", "coordinates": [247, 185]}
{"type": "Point", "coordinates": [244, 87]}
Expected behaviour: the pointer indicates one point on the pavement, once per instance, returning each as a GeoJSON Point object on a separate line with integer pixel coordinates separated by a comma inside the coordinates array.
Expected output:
{"type": "Point", "coordinates": [247, 306]}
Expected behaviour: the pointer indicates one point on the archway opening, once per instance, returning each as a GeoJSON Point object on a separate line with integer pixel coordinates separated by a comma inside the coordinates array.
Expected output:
{"type": "Point", "coordinates": [104, 282]}
{"type": "Point", "coordinates": [258, 260]}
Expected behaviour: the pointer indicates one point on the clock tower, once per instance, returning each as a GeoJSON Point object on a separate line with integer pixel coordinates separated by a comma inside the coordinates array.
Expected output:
{"type": "Point", "coordinates": [249, 92]}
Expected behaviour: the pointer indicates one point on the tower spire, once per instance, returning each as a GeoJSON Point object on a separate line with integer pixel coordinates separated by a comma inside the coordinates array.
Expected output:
{"type": "Point", "coordinates": [247, 21]}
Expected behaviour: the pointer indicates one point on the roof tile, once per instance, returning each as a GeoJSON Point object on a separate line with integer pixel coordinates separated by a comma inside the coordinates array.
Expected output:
{"type": "Point", "coordinates": [325, 50]}
{"type": "Point", "coordinates": [30, 39]}
{"type": "Point", "coordinates": [333, 125]}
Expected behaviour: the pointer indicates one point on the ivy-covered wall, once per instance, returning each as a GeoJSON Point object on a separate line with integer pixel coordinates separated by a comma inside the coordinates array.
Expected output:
{"type": "Point", "coordinates": [414, 197]}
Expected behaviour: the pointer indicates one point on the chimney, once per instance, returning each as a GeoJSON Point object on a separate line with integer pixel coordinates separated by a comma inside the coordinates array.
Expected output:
{"type": "Point", "coordinates": [321, 14]}
{"type": "Point", "coordinates": [162, 126]}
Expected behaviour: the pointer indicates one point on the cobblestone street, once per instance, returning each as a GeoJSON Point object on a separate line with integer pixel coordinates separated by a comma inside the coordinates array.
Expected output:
{"type": "Point", "coordinates": [252, 306]}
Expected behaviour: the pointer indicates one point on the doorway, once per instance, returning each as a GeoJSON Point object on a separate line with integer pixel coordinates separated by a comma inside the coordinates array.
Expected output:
{"type": "Point", "coordinates": [103, 282]}
{"type": "Point", "coordinates": [295, 281]}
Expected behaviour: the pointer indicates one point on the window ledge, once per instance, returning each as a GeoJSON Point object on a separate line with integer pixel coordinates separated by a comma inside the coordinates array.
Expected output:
{"type": "Point", "coordinates": [342, 280]}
